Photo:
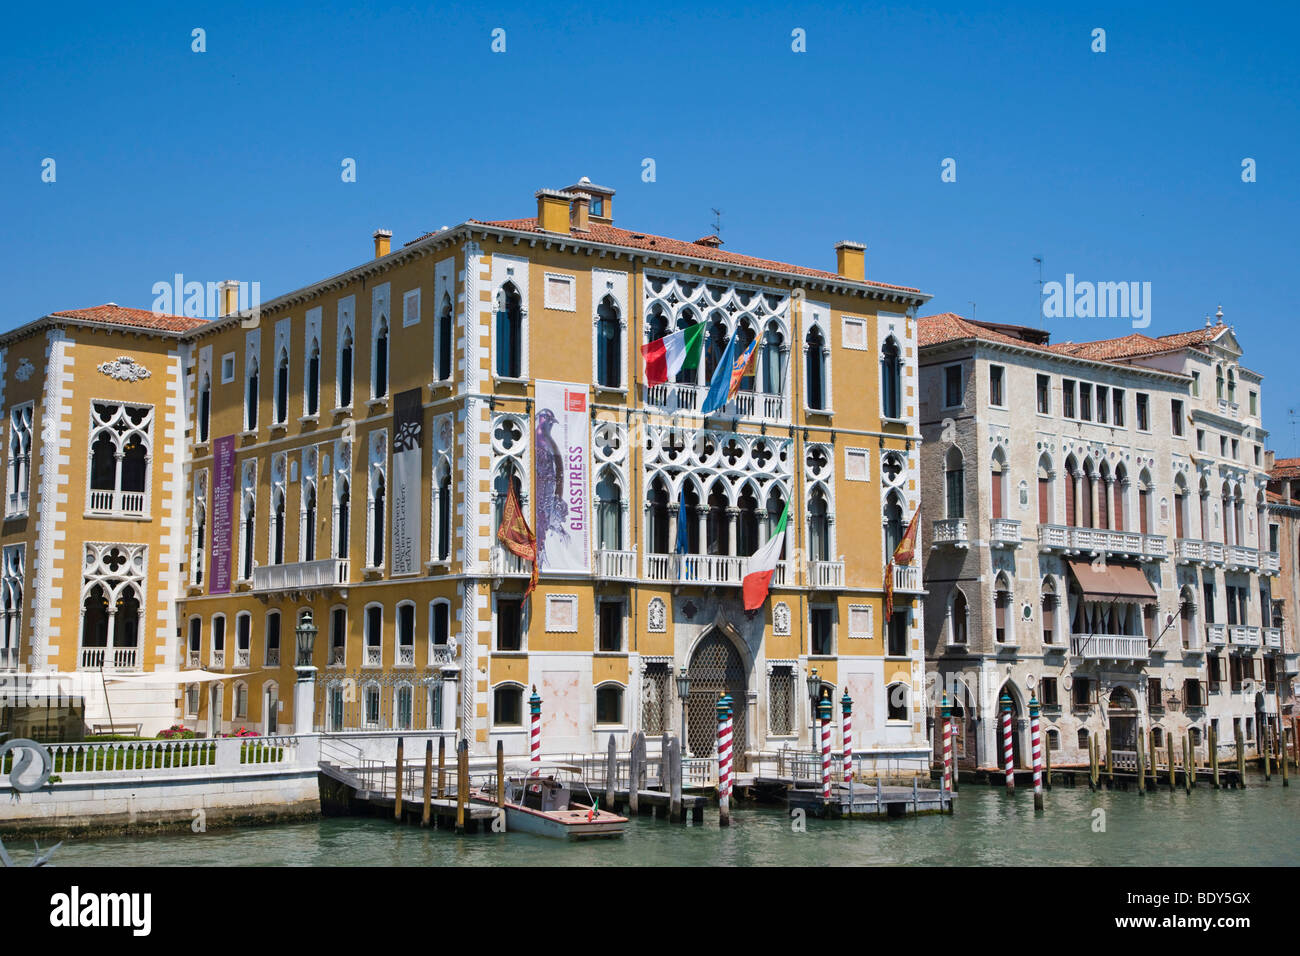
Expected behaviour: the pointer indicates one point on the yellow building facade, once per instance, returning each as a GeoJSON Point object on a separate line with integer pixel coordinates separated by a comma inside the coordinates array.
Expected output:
{"type": "Point", "coordinates": [347, 449]}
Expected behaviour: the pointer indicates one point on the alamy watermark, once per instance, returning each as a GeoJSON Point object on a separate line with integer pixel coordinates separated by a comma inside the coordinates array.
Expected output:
{"type": "Point", "coordinates": [1098, 300]}
{"type": "Point", "coordinates": [204, 300]}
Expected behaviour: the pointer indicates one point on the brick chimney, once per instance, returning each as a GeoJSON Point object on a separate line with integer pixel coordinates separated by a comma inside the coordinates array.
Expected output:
{"type": "Point", "coordinates": [383, 242]}
{"type": "Point", "coordinates": [553, 210]}
{"type": "Point", "coordinates": [580, 213]}
{"type": "Point", "coordinates": [851, 260]}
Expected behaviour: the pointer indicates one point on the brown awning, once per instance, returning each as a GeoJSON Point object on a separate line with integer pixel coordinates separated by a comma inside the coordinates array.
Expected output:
{"type": "Point", "coordinates": [1111, 582]}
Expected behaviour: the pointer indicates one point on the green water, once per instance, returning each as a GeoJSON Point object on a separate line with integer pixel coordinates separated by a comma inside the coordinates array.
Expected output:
{"type": "Point", "coordinates": [1258, 826]}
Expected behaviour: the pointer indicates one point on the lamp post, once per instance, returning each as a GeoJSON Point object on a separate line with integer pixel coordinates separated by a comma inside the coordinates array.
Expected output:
{"type": "Point", "coordinates": [304, 692]}
{"type": "Point", "coordinates": [683, 690]}
{"type": "Point", "coordinates": [814, 695]}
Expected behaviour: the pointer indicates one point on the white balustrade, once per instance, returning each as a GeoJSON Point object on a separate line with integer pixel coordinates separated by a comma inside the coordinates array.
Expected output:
{"type": "Point", "coordinates": [826, 574]}
{"type": "Point", "coordinates": [1216, 634]}
{"type": "Point", "coordinates": [951, 531]}
{"type": "Point", "coordinates": [616, 565]}
{"type": "Point", "coordinates": [324, 573]}
{"type": "Point", "coordinates": [1115, 647]}
{"type": "Point", "coordinates": [1004, 531]}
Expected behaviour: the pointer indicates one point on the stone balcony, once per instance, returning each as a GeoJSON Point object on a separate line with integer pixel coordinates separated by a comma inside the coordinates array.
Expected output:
{"type": "Point", "coordinates": [506, 564]}
{"type": "Point", "coordinates": [1109, 647]}
{"type": "Point", "coordinates": [109, 659]}
{"type": "Point", "coordinates": [705, 569]}
{"type": "Point", "coordinates": [907, 579]}
{"type": "Point", "coordinates": [689, 398]}
{"type": "Point", "coordinates": [823, 575]}
{"type": "Point", "coordinates": [301, 576]}
{"type": "Point", "coordinates": [1241, 558]}
{"type": "Point", "coordinates": [1004, 533]}
{"type": "Point", "coordinates": [1270, 562]}
{"type": "Point", "coordinates": [616, 565]}
{"type": "Point", "coordinates": [952, 532]}
{"type": "Point", "coordinates": [1120, 544]}
{"type": "Point", "coordinates": [1273, 638]}
{"type": "Point", "coordinates": [1216, 635]}
{"type": "Point", "coordinates": [1244, 635]}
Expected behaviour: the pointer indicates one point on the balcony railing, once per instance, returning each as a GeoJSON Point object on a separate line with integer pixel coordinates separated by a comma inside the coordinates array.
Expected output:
{"type": "Point", "coordinates": [1110, 647]}
{"type": "Point", "coordinates": [242, 656]}
{"type": "Point", "coordinates": [441, 654]}
{"type": "Point", "coordinates": [1273, 637]}
{"type": "Point", "coordinates": [1216, 634]}
{"type": "Point", "coordinates": [1270, 562]}
{"type": "Point", "coordinates": [1244, 635]}
{"type": "Point", "coordinates": [1240, 557]}
{"type": "Point", "coordinates": [301, 575]}
{"type": "Point", "coordinates": [195, 659]}
{"type": "Point", "coordinates": [273, 657]}
{"type": "Point", "coordinates": [110, 658]}
{"type": "Point", "coordinates": [373, 652]}
{"type": "Point", "coordinates": [1121, 543]}
{"type": "Point", "coordinates": [506, 564]}
{"type": "Point", "coordinates": [1229, 409]}
{"type": "Point", "coordinates": [952, 531]}
{"type": "Point", "coordinates": [703, 569]}
{"type": "Point", "coordinates": [907, 578]}
{"type": "Point", "coordinates": [825, 574]}
{"type": "Point", "coordinates": [338, 655]}
{"type": "Point", "coordinates": [1213, 552]}
{"type": "Point", "coordinates": [1004, 531]}
{"type": "Point", "coordinates": [405, 655]}
{"type": "Point", "coordinates": [117, 502]}
{"type": "Point", "coordinates": [616, 565]}
{"type": "Point", "coordinates": [689, 398]}
{"type": "Point", "coordinates": [218, 660]}
{"type": "Point", "coordinates": [1187, 550]}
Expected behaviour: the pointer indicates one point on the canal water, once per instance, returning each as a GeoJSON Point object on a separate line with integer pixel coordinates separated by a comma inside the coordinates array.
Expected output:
{"type": "Point", "coordinates": [1258, 826]}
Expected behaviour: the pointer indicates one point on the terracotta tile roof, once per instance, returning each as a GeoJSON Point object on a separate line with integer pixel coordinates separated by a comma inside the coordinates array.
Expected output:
{"type": "Point", "coordinates": [1285, 469]}
{"type": "Point", "coordinates": [951, 327]}
{"type": "Point", "coordinates": [1131, 346]}
{"type": "Point", "coordinates": [142, 318]}
{"type": "Point", "coordinates": [614, 236]}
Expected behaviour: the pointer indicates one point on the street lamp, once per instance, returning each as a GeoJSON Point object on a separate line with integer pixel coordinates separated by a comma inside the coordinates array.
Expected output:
{"type": "Point", "coordinates": [683, 689]}
{"type": "Point", "coordinates": [814, 695]}
{"type": "Point", "coordinates": [304, 693]}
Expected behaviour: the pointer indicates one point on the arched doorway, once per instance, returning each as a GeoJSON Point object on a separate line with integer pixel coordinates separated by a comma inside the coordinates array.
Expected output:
{"type": "Point", "coordinates": [1123, 715]}
{"type": "Point", "coordinates": [716, 666]}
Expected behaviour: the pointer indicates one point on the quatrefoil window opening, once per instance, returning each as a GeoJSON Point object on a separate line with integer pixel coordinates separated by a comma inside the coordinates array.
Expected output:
{"type": "Point", "coordinates": [891, 468]}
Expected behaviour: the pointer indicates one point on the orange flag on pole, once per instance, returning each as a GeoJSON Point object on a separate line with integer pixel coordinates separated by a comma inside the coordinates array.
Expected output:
{"type": "Point", "coordinates": [518, 538]}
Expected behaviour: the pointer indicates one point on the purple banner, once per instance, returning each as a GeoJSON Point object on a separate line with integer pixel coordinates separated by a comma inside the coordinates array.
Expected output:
{"type": "Point", "coordinates": [223, 513]}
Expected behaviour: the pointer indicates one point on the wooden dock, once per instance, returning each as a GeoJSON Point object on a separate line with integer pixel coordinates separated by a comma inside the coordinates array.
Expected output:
{"type": "Point", "coordinates": [862, 800]}
{"type": "Point", "coordinates": [343, 792]}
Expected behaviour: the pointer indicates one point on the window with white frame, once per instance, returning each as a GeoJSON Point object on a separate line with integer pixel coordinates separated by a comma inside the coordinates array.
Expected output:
{"type": "Point", "coordinates": [19, 466]}
{"type": "Point", "coordinates": [218, 659]}
{"type": "Point", "coordinates": [279, 504]}
{"type": "Point", "coordinates": [241, 701]}
{"type": "Point", "coordinates": [307, 507]}
{"type": "Point", "coordinates": [444, 340]}
{"type": "Point", "coordinates": [205, 408]}
{"type": "Point", "coordinates": [405, 654]}
{"type": "Point", "coordinates": [377, 501]}
{"type": "Point", "coordinates": [609, 704]}
{"type": "Point", "coordinates": [439, 625]}
{"type": "Point", "coordinates": [243, 639]}
{"type": "Point", "coordinates": [374, 635]}
{"type": "Point", "coordinates": [272, 640]}
{"type": "Point", "coordinates": [509, 339]}
{"type": "Point", "coordinates": [252, 365]}
{"type": "Point", "coordinates": [508, 705]}
{"type": "Point", "coordinates": [247, 519]}
{"type": "Point", "coordinates": [403, 706]}
{"type": "Point", "coordinates": [227, 368]}
{"type": "Point", "coordinates": [379, 343]}
{"type": "Point", "coordinates": [311, 379]}
{"type": "Point", "coordinates": [121, 448]}
{"type": "Point", "coordinates": [346, 353]}
{"type": "Point", "coordinates": [11, 604]}
{"type": "Point", "coordinates": [782, 692]}
{"type": "Point", "coordinates": [199, 529]}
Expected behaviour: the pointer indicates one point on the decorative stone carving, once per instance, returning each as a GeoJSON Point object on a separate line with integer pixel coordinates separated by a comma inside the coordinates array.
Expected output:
{"type": "Point", "coordinates": [658, 621]}
{"type": "Point", "coordinates": [125, 369]}
{"type": "Point", "coordinates": [24, 370]}
{"type": "Point", "coordinates": [781, 619]}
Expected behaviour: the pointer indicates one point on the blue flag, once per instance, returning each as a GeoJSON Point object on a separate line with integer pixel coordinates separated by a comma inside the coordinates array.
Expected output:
{"type": "Point", "coordinates": [720, 384]}
{"type": "Point", "coordinates": [683, 531]}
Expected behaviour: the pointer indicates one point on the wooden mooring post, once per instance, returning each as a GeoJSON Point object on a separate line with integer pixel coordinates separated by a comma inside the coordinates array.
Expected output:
{"type": "Point", "coordinates": [1092, 761]}
{"type": "Point", "coordinates": [1192, 762]}
{"type": "Point", "coordinates": [1047, 763]}
{"type": "Point", "coordinates": [1154, 753]}
{"type": "Point", "coordinates": [1241, 754]}
{"type": "Point", "coordinates": [1110, 761]}
{"type": "Point", "coordinates": [1141, 766]}
{"type": "Point", "coordinates": [462, 773]}
{"type": "Point", "coordinates": [1214, 757]}
{"type": "Point", "coordinates": [1281, 753]}
{"type": "Point", "coordinates": [1187, 768]}
{"type": "Point", "coordinates": [1169, 739]}
{"type": "Point", "coordinates": [442, 766]}
{"type": "Point", "coordinates": [397, 799]}
{"type": "Point", "coordinates": [611, 773]}
{"type": "Point", "coordinates": [634, 775]}
{"type": "Point", "coordinates": [675, 781]}
{"type": "Point", "coordinates": [1266, 749]}
{"type": "Point", "coordinates": [427, 810]}
{"type": "Point", "coordinates": [501, 775]}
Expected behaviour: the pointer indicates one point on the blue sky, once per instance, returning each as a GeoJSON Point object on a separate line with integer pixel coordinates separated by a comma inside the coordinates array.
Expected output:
{"type": "Point", "coordinates": [1123, 165]}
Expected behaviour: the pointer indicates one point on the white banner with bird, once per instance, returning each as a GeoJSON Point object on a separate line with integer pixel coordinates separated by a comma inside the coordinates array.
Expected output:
{"type": "Point", "coordinates": [561, 454]}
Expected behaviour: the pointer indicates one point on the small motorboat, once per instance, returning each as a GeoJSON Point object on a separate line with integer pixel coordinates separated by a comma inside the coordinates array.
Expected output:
{"type": "Point", "coordinates": [539, 799]}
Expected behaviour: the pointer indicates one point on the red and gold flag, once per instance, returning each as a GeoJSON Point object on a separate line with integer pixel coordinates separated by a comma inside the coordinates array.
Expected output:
{"type": "Point", "coordinates": [903, 554]}
{"type": "Point", "coordinates": [518, 538]}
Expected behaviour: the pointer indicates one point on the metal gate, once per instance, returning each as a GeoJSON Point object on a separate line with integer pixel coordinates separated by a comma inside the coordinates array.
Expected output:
{"type": "Point", "coordinates": [716, 666]}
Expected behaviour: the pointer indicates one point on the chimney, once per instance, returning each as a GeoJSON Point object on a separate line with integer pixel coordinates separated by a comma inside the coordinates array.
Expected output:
{"type": "Point", "coordinates": [851, 260]}
{"type": "Point", "coordinates": [1270, 459]}
{"type": "Point", "coordinates": [383, 241]}
{"type": "Point", "coordinates": [553, 210]}
{"type": "Point", "coordinates": [229, 291]}
{"type": "Point", "coordinates": [580, 214]}
{"type": "Point", "coordinates": [600, 199]}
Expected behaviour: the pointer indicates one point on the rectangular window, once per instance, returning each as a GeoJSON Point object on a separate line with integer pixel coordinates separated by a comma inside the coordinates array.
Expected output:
{"type": "Point", "coordinates": [1200, 439]}
{"type": "Point", "coordinates": [898, 634]}
{"type": "Point", "coordinates": [1117, 407]}
{"type": "Point", "coordinates": [374, 636]}
{"type": "Point", "coordinates": [1044, 394]}
{"type": "Point", "coordinates": [1067, 397]}
{"type": "Point", "coordinates": [1103, 397]}
{"type": "Point", "coordinates": [1047, 692]}
{"type": "Point", "coordinates": [338, 636]}
{"type": "Point", "coordinates": [952, 386]}
{"type": "Point", "coordinates": [1254, 403]}
{"type": "Point", "coordinates": [1176, 417]}
{"type": "Point", "coordinates": [822, 620]}
{"type": "Point", "coordinates": [1257, 455]}
{"type": "Point", "coordinates": [1196, 384]}
{"type": "Point", "coordinates": [1083, 693]}
{"type": "Point", "coordinates": [1236, 450]}
{"type": "Point", "coordinates": [1085, 401]}
{"type": "Point", "coordinates": [996, 373]}
{"type": "Point", "coordinates": [781, 695]}
{"type": "Point", "coordinates": [273, 640]}
{"type": "Point", "coordinates": [227, 368]}
{"type": "Point", "coordinates": [1154, 701]}
{"type": "Point", "coordinates": [1143, 412]}
{"type": "Point", "coordinates": [1208, 587]}
{"type": "Point", "coordinates": [1223, 446]}
{"type": "Point", "coordinates": [611, 626]}
{"type": "Point", "coordinates": [510, 624]}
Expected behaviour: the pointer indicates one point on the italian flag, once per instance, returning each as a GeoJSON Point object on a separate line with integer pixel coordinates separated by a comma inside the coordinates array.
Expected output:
{"type": "Point", "coordinates": [762, 565]}
{"type": "Point", "coordinates": [667, 356]}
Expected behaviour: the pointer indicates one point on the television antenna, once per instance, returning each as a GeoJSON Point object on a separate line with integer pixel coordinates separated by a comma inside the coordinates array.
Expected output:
{"type": "Point", "coordinates": [1039, 260]}
{"type": "Point", "coordinates": [717, 222]}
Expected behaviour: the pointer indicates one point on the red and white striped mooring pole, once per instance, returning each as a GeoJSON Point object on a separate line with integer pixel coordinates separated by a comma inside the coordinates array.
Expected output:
{"type": "Point", "coordinates": [1007, 758]}
{"type": "Point", "coordinates": [947, 744]}
{"type": "Point", "coordinates": [846, 705]}
{"type": "Point", "coordinates": [824, 714]}
{"type": "Point", "coordinates": [535, 730]}
{"type": "Point", "coordinates": [724, 760]}
{"type": "Point", "coordinates": [1037, 747]}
